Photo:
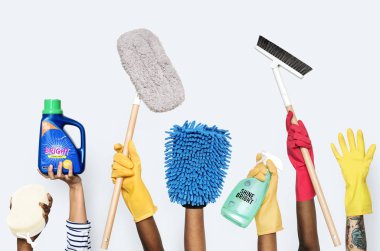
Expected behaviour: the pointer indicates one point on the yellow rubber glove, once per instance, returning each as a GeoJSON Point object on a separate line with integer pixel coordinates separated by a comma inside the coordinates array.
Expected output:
{"type": "Point", "coordinates": [134, 191]}
{"type": "Point", "coordinates": [354, 164]}
{"type": "Point", "coordinates": [268, 218]}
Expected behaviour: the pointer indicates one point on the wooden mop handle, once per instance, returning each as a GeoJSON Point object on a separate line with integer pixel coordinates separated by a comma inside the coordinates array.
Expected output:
{"type": "Point", "coordinates": [119, 181]}
{"type": "Point", "coordinates": [317, 188]}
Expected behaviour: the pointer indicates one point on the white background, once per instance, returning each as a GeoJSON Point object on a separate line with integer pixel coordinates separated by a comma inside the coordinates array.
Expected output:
{"type": "Point", "coordinates": [67, 50]}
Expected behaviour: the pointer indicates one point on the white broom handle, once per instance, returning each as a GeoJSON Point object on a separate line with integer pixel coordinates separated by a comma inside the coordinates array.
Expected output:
{"type": "Point", "coordinates": [308, 162]}
{"type": "Point", "coordinates": [119, 181]}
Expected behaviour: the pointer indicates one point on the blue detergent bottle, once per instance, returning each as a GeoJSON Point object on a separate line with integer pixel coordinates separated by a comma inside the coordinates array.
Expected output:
{"type": "Point", "coordinates": [55, 144]}
{"type": "Point", "coordinates": [246, 198]}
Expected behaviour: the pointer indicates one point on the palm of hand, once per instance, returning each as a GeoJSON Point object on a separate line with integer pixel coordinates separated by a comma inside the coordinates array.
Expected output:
{"type": "Point", "coordinates": [354, 167]}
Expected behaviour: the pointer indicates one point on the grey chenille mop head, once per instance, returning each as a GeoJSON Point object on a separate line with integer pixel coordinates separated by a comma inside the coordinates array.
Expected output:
{"type": "Point", "coordinates": [153, 75]}
{"type": "Point", "coordinates": [157, 84]}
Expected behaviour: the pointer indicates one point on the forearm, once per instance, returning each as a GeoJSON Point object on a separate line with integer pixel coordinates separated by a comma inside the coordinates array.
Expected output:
{"type": "Point", "coordinates": [267, 242]}
{"type": "Point", "coordinates": [307, 226]}
{"type": "Point", "coordinates": [355, 234]}
{"type": "Point", "coordinates": [149, 235]}
{"type": "Point", "coordinates": [195, 239]}
{"type": "Point", "coordinates": [77, 204]}
{"type": "Point", "coordinates": [22, 245]}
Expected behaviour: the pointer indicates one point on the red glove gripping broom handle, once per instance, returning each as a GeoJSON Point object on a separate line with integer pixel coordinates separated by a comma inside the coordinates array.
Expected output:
{"type": "Point", "coordinates": [119, 181]}
{"type": "Point", "coordinates": [309, 163]}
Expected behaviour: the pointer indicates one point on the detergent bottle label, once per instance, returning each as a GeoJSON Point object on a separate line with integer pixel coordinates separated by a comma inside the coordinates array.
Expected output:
{"type": "Point", "coordinates": [56, 147]}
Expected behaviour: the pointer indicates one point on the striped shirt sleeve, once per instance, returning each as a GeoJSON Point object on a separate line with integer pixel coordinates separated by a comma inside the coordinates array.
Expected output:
{"type": "Point", "coordinates": [78, 236]}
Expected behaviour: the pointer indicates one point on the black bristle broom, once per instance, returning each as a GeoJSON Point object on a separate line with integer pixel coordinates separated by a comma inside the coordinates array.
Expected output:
{"type": "Point", "coordinates": [282, 58]}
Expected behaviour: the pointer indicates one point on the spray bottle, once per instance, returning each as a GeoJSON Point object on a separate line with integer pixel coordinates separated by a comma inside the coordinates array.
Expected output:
{"type": "Point", "coordinates": [246, 198]}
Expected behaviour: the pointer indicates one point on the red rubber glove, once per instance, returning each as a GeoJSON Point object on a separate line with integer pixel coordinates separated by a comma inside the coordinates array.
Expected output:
{"type": "Point", "coordinates": [298, 137]}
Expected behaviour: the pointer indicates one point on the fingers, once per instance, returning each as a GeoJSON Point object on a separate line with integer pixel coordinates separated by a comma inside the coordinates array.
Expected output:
{"type": "Point", "coordinates": [119, 171]}
{"type": "Point", "coordinates": [370, 152]}
{"type": "Point", "coordinates": [259, 156]}
{"type": "Point", "coordinates": [300, 140]}
{"type": "Point", "coordinates": [50, 199]}
{"type": "Point", "coordinates": [118, 148]}
{"type": "Point", "coordinates": [122, 160]}
{"type": "Point", "coordinates": [360, 139]}
{"type": "Point", "coordinates": [302, 126]}
{"type": "Point", "coordinates": [335, 152]}
{"type": "Point", "coordinates": [133, 152]}
{"type": "Point", "coordinates": [351, 139]}
{"type": "Point", "coordinates": [260, 176]}
{"type": "Point", "coordinates": [70, 170]}
{"type": "Point", "coordinates": [342, 144]}
{"type": "Point", "coordinates": [289, 120]}
{"type": "Point", "coordinates": [271, 167]}
{"type": "Point", "coordinates": [46, 211]}
{"type": "Point", "coordinates": [45, 208]}
{"type": "Point", "coordinates": [253, 172]}
{"type": "Point", "coordinates": [51, 173]}
{"type": "Point", "coordinates": [258, 172]}
{"type": "Point", "coordinates": [59, 170]}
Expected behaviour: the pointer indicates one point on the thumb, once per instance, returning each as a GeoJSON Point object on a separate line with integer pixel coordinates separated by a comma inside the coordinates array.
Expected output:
{"type": "Point", "coordinates": [118, 148]}
{"type": "Point", "coordinates": [133, 152]}
{"type": "Point", "coordinates": [370, 152]}
{"type": "Point", "coordinates": [288, 120]}
{"type": "Point", "coordinates": [303, 128]}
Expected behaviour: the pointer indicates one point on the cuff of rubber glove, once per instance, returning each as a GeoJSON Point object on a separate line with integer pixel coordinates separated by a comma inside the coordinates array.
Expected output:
{"type": "Point", "coordinates": [358, 211]}
{"type": "Point", "coordinates": [269, 231]}
{"type": "Point", "coordinates": [304, 186]}
{"type": "Point", "coordinates": [146, 215]}
{"type": "Point", "coordinates": [194, 207]}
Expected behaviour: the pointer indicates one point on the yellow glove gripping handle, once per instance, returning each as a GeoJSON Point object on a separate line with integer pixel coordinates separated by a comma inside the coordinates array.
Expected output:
{"type": "Point", "coordinates": [119, 181]}
{"type": "Point", "coordinates": [318, 189]}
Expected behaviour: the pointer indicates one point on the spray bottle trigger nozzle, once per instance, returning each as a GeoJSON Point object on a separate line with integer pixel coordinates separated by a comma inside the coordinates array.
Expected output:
{"type": "Point", "coordinates": [277, 162]}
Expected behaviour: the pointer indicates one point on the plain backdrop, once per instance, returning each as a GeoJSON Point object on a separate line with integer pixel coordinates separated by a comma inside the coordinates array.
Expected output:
{"type": "Point", "coordinates": [67, 50]}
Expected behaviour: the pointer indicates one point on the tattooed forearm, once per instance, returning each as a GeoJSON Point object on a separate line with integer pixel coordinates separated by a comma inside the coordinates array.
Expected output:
{"type": "Point", "coordinates": [355, 233]}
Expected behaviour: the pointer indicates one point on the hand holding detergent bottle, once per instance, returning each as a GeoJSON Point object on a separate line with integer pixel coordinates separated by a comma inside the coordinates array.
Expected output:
{"type": "Point", "coordinates": [56, 145]}
{"type": "Point", "coordinates": [246, 198]}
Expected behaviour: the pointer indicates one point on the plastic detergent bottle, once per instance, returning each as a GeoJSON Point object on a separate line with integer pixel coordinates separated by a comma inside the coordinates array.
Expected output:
{"type": "Point", "coordinates": [55, 144]}
{"type": "Point", "coordinates": [246, 198]}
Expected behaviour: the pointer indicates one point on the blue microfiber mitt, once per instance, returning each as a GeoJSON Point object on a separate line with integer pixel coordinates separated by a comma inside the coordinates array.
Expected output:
{"type": "Point", "coordinates": [196, 159]}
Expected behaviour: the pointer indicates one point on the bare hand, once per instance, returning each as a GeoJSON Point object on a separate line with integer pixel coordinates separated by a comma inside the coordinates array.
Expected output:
{"type": "Point", "coordinates": [70, 179]}
{"type": "Point", "coordinates": [45, 208]}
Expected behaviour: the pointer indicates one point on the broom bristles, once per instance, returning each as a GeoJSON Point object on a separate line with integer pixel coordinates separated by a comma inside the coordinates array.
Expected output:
{"type": "Point", "coordinates": [283, 55]}
{"type": "Point", "coordinates": [196, 160]}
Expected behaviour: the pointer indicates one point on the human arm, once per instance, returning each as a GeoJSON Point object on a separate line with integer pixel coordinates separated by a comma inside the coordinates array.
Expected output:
{"type": "Point", "coordinates": [77, 225]}
{"type": "Point", "coordinates": [267, 242]}
{"type": "Point", "coordinates": [195, 238]}
{"type": "Point", "coordinates": [306, 216]}
{"type": "Point", "coordinates": [354, 163]}
{"type": "Point", "coordinates": [136, 196]}
{"type": "Point", "coordinates": [268, 218]}
{"type": "Point", "coordinates": [305, 206]}
{"type": "Point", "coordinates": [22, 244]}
{"type": "Point", "coordinates": [355, 233]}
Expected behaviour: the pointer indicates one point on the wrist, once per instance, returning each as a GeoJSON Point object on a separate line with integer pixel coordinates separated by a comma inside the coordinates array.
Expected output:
{"type": "Point", "coordinates": [76, 186]}
{"type": "Point", "coordinates": [358, 200]}
{"type": "Point", "coordinates": [304, 186]}
{"type": "Point", "coordinates": [23, 245]}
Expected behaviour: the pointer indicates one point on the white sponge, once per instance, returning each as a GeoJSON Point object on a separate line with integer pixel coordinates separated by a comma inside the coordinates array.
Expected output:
{"type": "Point", "coordinates": [26, 216]}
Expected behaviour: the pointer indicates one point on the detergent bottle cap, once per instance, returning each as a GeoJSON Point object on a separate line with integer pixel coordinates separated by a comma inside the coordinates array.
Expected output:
{"type": "Point", "coordinates": [276, 161]}
{"type": "Point", "coordinates": [52, 106]}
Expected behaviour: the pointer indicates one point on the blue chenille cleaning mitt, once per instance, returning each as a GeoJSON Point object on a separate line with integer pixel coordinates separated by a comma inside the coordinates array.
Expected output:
{"type": "Point", "coordinates": [196, 160]}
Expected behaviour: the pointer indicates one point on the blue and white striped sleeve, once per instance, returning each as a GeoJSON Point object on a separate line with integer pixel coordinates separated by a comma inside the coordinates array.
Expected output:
{"type": "Point", "coordinates": [78, 236]}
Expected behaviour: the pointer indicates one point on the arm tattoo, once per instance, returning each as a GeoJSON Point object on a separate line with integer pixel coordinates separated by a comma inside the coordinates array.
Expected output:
{"type": "Point", "coordinates": [355, 233]}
